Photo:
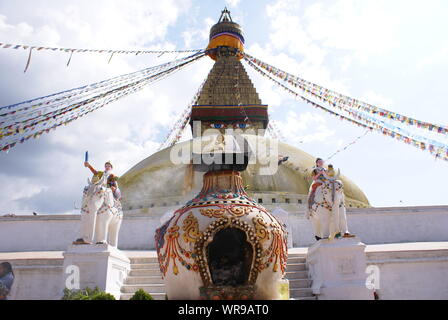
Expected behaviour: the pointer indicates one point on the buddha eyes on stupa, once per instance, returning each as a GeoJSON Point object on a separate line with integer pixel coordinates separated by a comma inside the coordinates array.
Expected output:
{"type": "Point", "coordinates": [243, 125]}
{"type": "Point", "coordinates": [217, 125]}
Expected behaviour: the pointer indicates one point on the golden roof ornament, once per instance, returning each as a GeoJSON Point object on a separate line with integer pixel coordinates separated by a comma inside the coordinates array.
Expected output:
{"type": "Point", "coordinates": [226, 37]}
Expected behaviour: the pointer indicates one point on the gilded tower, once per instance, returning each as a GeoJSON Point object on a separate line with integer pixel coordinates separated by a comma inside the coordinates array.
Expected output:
{"type": "Point", "coordinates": [228, 98]}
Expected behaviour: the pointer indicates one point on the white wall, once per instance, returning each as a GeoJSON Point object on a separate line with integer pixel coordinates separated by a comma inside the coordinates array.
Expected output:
{"type": "Point", "coordinates": [373, 226]}
{"type": "Point", "coordinates": [40, 233]}
{"type": "Point", "coordinates": [385, 225]}
{"type": "Point", "coordinates": [47, 233]}
{"type": "Point", "coordinates": [413, 274]}
{"type": "Point", "coordinates": [37, 279]}
{"type": "Point", "coordinates": [407, 271]}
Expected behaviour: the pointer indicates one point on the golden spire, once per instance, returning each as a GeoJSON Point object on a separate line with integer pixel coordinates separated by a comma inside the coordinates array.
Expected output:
{"type": "Point", "coordinates": [225, 36]}
{"type": "Point", "coordinates": [228, 98]}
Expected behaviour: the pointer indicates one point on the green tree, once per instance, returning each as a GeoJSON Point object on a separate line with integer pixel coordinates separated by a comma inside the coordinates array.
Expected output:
{"type": "Point", "coordinates": [87, 294]}
{"type": "Point", "coordinates": [140, 294]}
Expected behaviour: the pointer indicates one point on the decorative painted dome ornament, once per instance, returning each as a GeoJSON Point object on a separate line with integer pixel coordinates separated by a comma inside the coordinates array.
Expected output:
{"type": "Point", "coordinates": [222, 245]}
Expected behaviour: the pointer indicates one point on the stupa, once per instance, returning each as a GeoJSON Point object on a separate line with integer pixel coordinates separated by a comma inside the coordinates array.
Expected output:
{"type": "Point", "coordinates": [156, 182]}
{"type": "Point", "coordinates": [223, 244]}
{"type": "Point", "coordinates": [217, 233]}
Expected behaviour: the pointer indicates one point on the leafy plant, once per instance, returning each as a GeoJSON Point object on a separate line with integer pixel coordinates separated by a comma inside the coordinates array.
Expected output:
{"type": "Point", "coordinates": [140, 294]}
{"type": "Point", "coordinates": [87, 294]}
{"type": "Point", "coordinates": [103, 296]}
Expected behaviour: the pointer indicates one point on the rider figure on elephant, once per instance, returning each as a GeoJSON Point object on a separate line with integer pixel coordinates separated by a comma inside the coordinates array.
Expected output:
{"type": "Point", "coordinates": [319, 177]}
{"type": "Point", "coordinates": [326, 204]}
{"type": "Point", "coordinates": [101, 212]}
{"type": "Point", "coordinates": [111, 178]}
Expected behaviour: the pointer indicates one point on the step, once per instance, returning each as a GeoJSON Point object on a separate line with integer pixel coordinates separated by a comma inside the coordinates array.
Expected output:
{"type": "Point", "coordinates": [297, 274]}
{"type": "Point", "coordinates": [306, 298]}
{"type": "Point", "coordinates": [296, 260]}
{"type": "Point", "coordinates": [144, 260]}
{"type": "Point", "coordinates": [162, 296]}
{"type": "Point", "coordinates": [156, 296]}
{"type": "Point", "coordinates": [135, 266]}
{"type": "Point", "coordinates": [299, 283]}
{"type": "Point", "coordinates": [293, 283]}
{"type": "Point", "coordinates": [144, 280]}
{"type": "Point", "coordinates": [151, 288]}
{"type": "Point", "coordinates": [300, 292]}
{"type": "Point", "coordinates": [297, 271]}
{"type": "Point", "coordinates": [301, 255]}
{"type": "Point", "coordinates": [150, 265]}
{"type": "Point", "coordinates": [296, 267]}
{"type": "Point", "coordinates": [144, 272]}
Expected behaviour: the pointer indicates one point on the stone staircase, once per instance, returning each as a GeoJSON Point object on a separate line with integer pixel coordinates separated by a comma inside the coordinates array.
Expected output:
{"type": "Point", "coordinates": [145, 274]}
{"type": "Point", "coordinates": [297, 274]}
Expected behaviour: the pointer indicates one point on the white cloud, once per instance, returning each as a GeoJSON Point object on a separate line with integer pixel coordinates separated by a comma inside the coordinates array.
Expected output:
{"type": "Point", "coordinates": [21, 189]}
{"type": "Point", "coordinates": [288, 32]}
{"type": "Point", "coordinates": [362, 28]}
{"type": "Point", "coordinates": [198, 37]}
{"type": "Point", "coordinates": [305, 127]}
{"type": "Point", "coordinates": [289, 39]}
{"type": "Point", "coordinates": [232, 3]}
{"type": "Point", "coordinates": [126, 131]}
{"type": "Point", "coordinates": [437, 57]}
{"type": "Point", "coordinates": [378, 99]}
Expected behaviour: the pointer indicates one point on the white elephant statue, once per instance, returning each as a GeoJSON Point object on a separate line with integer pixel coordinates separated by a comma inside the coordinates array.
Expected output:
{"type": "Point", "coordinates": [327, 213]}
{"type": "Point", "coordinates": [101, 214]}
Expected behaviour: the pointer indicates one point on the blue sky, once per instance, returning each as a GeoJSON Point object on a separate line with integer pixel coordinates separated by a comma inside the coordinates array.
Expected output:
{"type": "Point", "coordinates": [390, 53]}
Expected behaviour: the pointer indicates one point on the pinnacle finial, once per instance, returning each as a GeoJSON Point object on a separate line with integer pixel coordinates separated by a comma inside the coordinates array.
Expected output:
{"type": "Point", "coordinates": [225, 16]}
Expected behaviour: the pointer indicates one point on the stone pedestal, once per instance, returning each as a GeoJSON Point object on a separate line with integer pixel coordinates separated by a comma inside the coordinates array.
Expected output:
{"type": "Point", "coordinates": [99, 265]}
{"type": "Point", "coordinates": [338, 270]}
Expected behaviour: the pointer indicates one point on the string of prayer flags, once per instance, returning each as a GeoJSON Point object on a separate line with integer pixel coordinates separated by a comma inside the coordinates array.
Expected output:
{"type": "Point", "coordinates": [73, 50]}
{"type": "Point", "coordinates": [437, 149]}
{"type": "Point", "coordinates": [30, 119]}
{"type": "Point", "coordinates": [336, 99]}
{"type": "Point", "coordinates": [176, 131]}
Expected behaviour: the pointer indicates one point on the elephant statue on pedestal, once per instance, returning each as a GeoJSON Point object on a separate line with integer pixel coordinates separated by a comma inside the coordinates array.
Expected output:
{"type": "Point", "coordinates": [101, 214]}
{"type": "Point", "coordinates": [327, 212]}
